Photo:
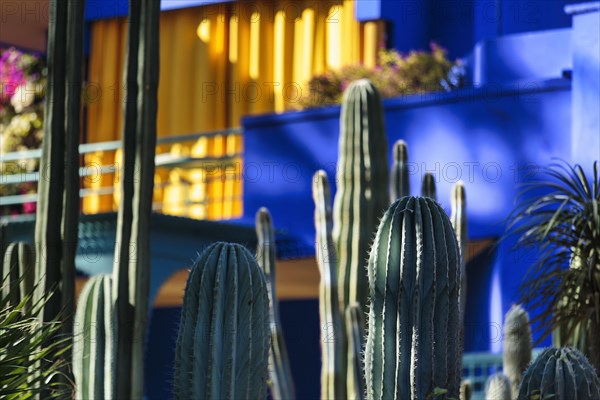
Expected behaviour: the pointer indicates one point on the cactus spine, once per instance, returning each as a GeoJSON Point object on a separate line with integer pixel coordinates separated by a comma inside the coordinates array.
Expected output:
{"type": "Point", "coordinates": [332, 375]}
{"type": "Point", "coordinates": [354, 379]}
{"type": "Point", "coordinates": [93, 346]}
{"type": "Point", "coordinates": [362, 192]}
{"type": "Point", "coordinates": [428, 187]}
{"type": "Point", "coordinates": [223, 342]}
{"type": "Point", "coordinates": [18, 274]}
{"type": "Point", "coordinates": [282, 384]}
{"type": "Point", "coordinates": [560, 374]}
{"type": "Point", "coordinates": [498, 387]}
{"type": "Point", "coordinates": [400, 186]}
{"type": "Point", "coordinates": [132, 275]}
{"type": "Point", "coordinates": [459, 223]}
{"type": "Point", "coordinates": [413, 341]}
{"type": "Point", "coordinates": [517, 346]}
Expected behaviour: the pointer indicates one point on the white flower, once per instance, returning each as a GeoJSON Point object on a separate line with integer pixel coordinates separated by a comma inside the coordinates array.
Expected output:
{"type": "Point", "coordinates": [23, 97]}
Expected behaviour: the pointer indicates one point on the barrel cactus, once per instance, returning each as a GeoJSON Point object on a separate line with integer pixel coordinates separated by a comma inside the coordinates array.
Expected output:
{"type": "Point", "coordinates": [413, 343]}
{"type": "Point", "coordinates": [498, 387]}
{"type": "Point", "coordinates": [517, 346]}
{"type": "Point", "coordinates": [560, 374]}
{"type": "Point", "coordinates": [282, 384]}
{"type": "Point", "coordinates": [93, 344]}
{"type": "Point", "coordinates": [223, 342]}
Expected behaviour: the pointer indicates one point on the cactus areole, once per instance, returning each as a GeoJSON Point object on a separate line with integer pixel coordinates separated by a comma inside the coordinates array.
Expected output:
{"type": "Point", "coordinates": [413, 342]}
{"type": "Point", "coordinates": [224, 337]}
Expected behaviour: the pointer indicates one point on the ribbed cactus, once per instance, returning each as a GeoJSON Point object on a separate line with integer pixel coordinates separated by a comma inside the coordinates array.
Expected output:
{"type": "Point", "coordinates": [498, 387]}
{"type": "Point", "coordinates": [560, 374]}
{"type": "Point", "coordinates": [131, 275]}
{"type": "Point", "coordinates": [93, 345]}
{"type": "Point", "coordinates": [354, 379]}
{"type": "Point", "coordinates": [517, 346]}
{"type": "Point", "coordinates": [459, 223]}
{"type": "Point", "coordinates": [466, 390]}
{"type": "Point", "coordinates": [400, 185]}
{"type": "Point", "coordinates": [223, 343]}
{"type": "Point", "coordinates": [333, 385]}
{"type": "Point", "coordinates": [362, 187]}
{"type": "Point", "coordinates": [413, 341]}
{"type": "Point", "coordinates": [428, 186]}
{"type": "Point", "coordinates": [282, 384]}
{"type": "Point", "coordinates": [18, 273]}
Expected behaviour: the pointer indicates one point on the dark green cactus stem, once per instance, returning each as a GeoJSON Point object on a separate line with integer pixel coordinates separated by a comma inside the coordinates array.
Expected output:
{"type": "Point", "coordinates": [223, 343]}
{"type": "Point", "coordinates": [18, 274]}
{"type": "Point", "coordinates": [517, 346]}
{"type": "Point", "coordinates": [400, 186]}
{"type": "Point", "coordinates": [132, 274]}
{"type": "Point", "coordinates": [362, 191]}
{"type": "Point", "coordinates": [428, 187]}
{"type": "Point", "coordinates": [413, 341]}
{"type": "Point", "coordinates": [560, 374]}
{"type": "Point", "coordinates": [459, 223]}
{"type": "Point", "coordinates": [466, 390]}
{"type": "Point", "coordinates": [355, 387]}
{"type": "Point", "coordinates": [93, 344]}
{"type": "Point", "coordinates": [282, 384]}
{"type": "Point", "coordinates": [333, 385]}
{"type": "Point", "coordinates": [498, 387]}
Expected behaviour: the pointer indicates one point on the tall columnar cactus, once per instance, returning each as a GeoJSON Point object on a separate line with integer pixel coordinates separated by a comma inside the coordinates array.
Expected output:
{"type": "Point", "coordinates": [560, 374]}
{"type": "Point", "coordinates": [498, 387]}
{"type": "Point", "coordinates": [459, 223]}
{"type": "Point", "coordinates": [517, 346]}
{"type": "Point", "coordinates": [354, 379]}
{"type": "Point", "coordinates": [400, 185]}
{"type": "Point", "coordinates": [362, 187]}
{"type": "Point", "coordinates": [132, 255]}
{"type": "Point", "coordinates": [223, 343]}
{"type": "Point", "coordinates": [428, 186]}
{"type": "Point", "coordinates": [466, 390]}
{"type": "Point", "coordinates": [333, 385]}
{"type": "Point", "coordinates": [18, 273]}
{"type": "Point", "coordinates": [93, 345]}
{"type": "Point", "coordinates": [413, 341]}
{"type": "Point", "coordinates": [282, 384]}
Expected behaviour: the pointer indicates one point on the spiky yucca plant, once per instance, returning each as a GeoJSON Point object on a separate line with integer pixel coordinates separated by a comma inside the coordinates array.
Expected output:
{"type": "Point", "coordinates": [560, 216]}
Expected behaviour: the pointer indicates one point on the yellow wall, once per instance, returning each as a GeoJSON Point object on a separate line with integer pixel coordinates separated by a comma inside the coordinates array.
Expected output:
{"type": "Point", "coordinates": [218, 63]}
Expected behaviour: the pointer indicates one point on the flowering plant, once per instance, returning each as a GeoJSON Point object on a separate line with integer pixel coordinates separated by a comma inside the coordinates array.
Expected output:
{"type": "Point", "coordinates": [22, 83]}
{"type": "Point", "coordinates": [394, 75]}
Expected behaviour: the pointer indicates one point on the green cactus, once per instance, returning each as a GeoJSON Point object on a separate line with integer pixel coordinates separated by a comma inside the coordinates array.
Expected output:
{"type": "Point", "coordinates": [466, 390]}
{"type": "Point", "coordinates": [332, 376]}
{"type": "Point", "coordinates": [413, 341]}
{"type": "Point", "coordinates": [428, 186]}
{"type": "Point", "coordinates": [400, 185]}
{"type": "Point", "coordinates": [282, 384]}
{"type": "Point", "coordinates": [498, 387]}
{"type": "Point", "coordinates": [354, 379]}
{"type": "Point", "coordinates": [93, 345]}
{"type": "Point", "coordinates": [362, 187]}
{"type": "Point", "coordinates": [18, 274]}
{"type": "Point", "coordinates": [516, 354]}
{"type": "Point", "coordinates": [131, 274]}
{"type": "Point", "coordinates": [560, 374]}
{"type": "Point", "coordinates": [223, 342]}
{"type": "Point", "coordinates": [459, 223]}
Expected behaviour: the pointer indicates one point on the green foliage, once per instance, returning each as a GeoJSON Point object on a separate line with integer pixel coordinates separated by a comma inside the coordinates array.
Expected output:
{"type": "Point", "coordinates": [560, 374]}
{"type": "Point", "coordinates": [223, 341]}
{"type": "Point", "coordinates": [560, 215]}
{"type": "Point", "coordinates": [395, 75]}
{"type": "Point", "coordinates": [25, 342]}
{"type": "Point", "coordinates": [414, 336]}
